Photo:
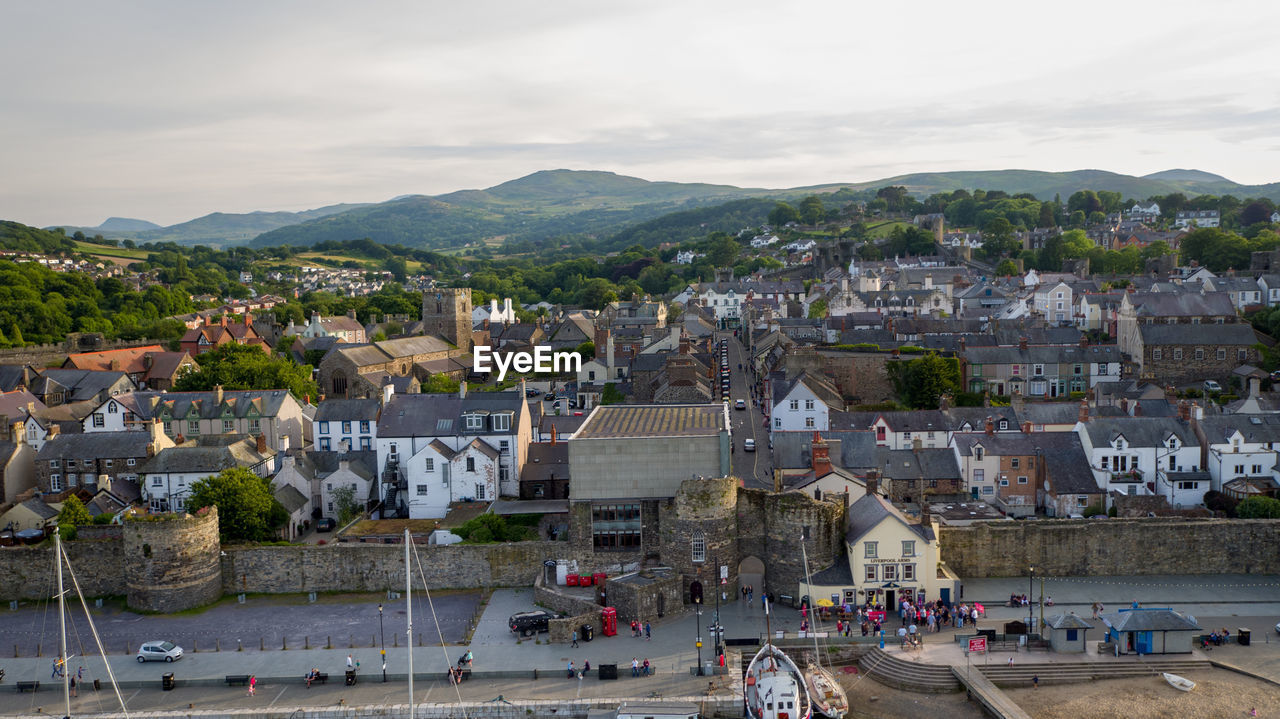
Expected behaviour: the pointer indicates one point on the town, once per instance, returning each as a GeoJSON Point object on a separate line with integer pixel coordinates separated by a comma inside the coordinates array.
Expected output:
{"type": "Point", "coordinates": [938, 418]}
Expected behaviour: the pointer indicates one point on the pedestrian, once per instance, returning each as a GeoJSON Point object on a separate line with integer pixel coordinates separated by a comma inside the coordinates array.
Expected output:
{"type": "Point", "coordinates": [586, 667]}
{"type": "Point", "coordinates": [646, 667]}
{"type": "Point", "coordinates": [73, 687]}
{"type": "Point", "coordinates": [839, 627]}
{"type": "Point", "coordinates": [56, 668]}
{"type": "Point", "coordinates": [575, 639]}
{"type": "Point", "coordinates": [1035, 681]}
{"type": "Point", "coordinates": [1011, 662]}
{"type": "Point", "coordinates": [647, 632]}
{"type": "Point", "coordinates": [351, 662]}
{"type": "Point", "coordinates": [571, 670]}
{"type": "Point", "coordinates": [253, 685]}
{"type": "Point", "coordinates": [635, 667]}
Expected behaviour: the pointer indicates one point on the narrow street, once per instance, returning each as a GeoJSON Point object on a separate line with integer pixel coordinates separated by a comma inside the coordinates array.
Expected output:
{"type": "Point", "coordinates": [754, 468]}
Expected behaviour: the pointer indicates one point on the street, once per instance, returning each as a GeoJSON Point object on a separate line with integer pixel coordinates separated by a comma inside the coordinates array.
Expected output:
{"type": "Point", "coordinates": [755, 469]}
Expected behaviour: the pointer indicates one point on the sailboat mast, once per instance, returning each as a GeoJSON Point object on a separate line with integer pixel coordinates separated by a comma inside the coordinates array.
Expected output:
{"type": "Point", "coordinates": [408, 605]}
{"type": "Point", "coordinates": [808, 580]}
{"type": "Point", "coordinates": [62, 625]}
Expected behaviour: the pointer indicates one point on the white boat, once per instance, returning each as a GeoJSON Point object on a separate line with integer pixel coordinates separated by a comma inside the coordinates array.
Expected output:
{"type": "Point", "coordinates": [775, 688]}
{"type": "Point", "coordinates": [827, 695]}
{"type": "Point", "coordinates": [1179, 683]}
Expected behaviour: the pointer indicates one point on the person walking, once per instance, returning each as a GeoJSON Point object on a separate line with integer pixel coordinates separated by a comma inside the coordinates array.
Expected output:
{"type": "Point", "coordinates": [647, 632]}
{"type": "Point", "coordinates": [575, 639]}
{"type": "Point", "coordinates": [73, 687]}
{"type": "Point", "coordinates": [253, 685]}
{"type": "Point", "coordinates": [351, 662]}
{"type": "Point", "coordinates": [635, 667]}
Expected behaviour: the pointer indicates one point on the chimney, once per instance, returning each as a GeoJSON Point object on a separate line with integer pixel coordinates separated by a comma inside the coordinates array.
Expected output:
{"type": "Point", "coordinates": [986, 398]}
{"type": "Point", "coordinates": [16, 433]}
{"type": "Point", "coordinates": [1124, 405]}
{"type": "Point", "coordinates": [217, 395]}
{"type": "Point", "coordinates": [1022, 343]}
{"type": "Point", "coordinates": [962, 343]}
{"type": "Point", "coordinates": [147, 360]}
{"type": "Point", "coordinates": [554, 435]}
{"type": "Point", "coordinates": [944, 401]}
{"type": "Point", "coordinates": [1184, 410]}
{"type": "Point", "coordinates": [389, 391]}
{"type": "Point", "coordinates": [115, 364]}
{"type": "Point", "coordinates": [223, 320]}
{"type": "Point", "coordinates": [821, 456]}
{"type": "Point", "coordinates": [1084, 340]}
{"type": "Point", "coordinates": [151, 449]}
{"type": "Point", "coordinates": [484, 323]}
{"type": "Point", "coordinates": [926, 514]}
{"type": "Point", "coordinates": [462, 388]}
{"type": "Point", "coordinates": [990, 426]}
{"type": "Point", "coordinates": [1084, 411]}
{"type": "Point", "coordinates": [248, 319]}
{"type": "Point", "coordinates": [1255, 386]}
{"type": "Point", "coordinates": [262, 444]}
{"type": "Point", "coordinates": [284, 444]}
{"type": "Point", "coordinates": [872, 482]}
{"type": "Point", "coordinates": [1026, 427]}
{"type": "Point", "coordinates": [351, 314]}
{"type": "Point", "coordinates": [916, 444]}
{"type": "Point", "coordinates": [1137, 408]}
{"type": "Point", "coordinates": [684, 345]}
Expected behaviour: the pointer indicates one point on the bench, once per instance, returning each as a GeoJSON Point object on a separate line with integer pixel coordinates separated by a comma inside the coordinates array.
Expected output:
{"type": "Point", "coordinates": [320, 677]}
{"type": "Point", "coordinates": [1038, 644]}
{"type": "Point", "coordinates": [234, 679]}
{"type": "Point", "coordinates": [999, 646]}
{"type": "Point", "coordinates": [28, 687]}
{"type": "Point", "coordinates": [461, 674]}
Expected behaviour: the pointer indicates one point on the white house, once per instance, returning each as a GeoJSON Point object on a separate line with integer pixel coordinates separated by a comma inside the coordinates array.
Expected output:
{"type": "Point", "coordinates": [166, 479]}
{"type": "Point", "coordinates": [763, 240]}
{"type": "Point", "coordinates": [506, 314]}
{"type": "Point", "coordinates": [1269, 284]}
{"type": "Point", "coordinates": [803, 404]}
{"type": "Point", "coordinates": [1053, 301]}
{"type": "Point", "coordinates": [434, 449]}
{"type": "Point", "coordinates": [1239, 447]}
{"type": "Point", "coordinates": [346, 425]}
{"type": "Point", "coordinates": [686, 257]}
{"type": "Point", "coordinates": [1196, 218]}
{"type": "Point", "coordinates": [1144, 213]}
{"type": "Point", "coordinates": [1145, 456]}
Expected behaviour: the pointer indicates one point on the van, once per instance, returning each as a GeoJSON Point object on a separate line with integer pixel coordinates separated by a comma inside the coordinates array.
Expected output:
{"type": "Point", "coordinates": [529, 623]}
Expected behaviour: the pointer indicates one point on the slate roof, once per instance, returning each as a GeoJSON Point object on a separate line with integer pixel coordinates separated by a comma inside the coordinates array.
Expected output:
{"type": "Point", "coordinates": [347, 410]}
{"type": "Point", "coordinates": [870, 510]}
{"type": "Point", "coordinates": [290, 498]}
{"type": "Point", "coordinates": [440, 415]}
{"type": "Point", "coordinates": [546, 461]}
{"type": "Point", "coordinates": [1068, 467]}
{"type": "Point", "coordinates": [1150, 620]}
{"type": "Point", "coordinates": [819, 386]}
{"type": "Point", "coordinates": [129, 359]}
{"type": "Point", "coordinates": [1138, 431]}
{"type": "Point", "coordinates": [187, 459]}
{"type": "Point", "coordinates": [1044, 354]}
{"type": "Point", "coordinates": [1067, 621]}
{"type": "Point", "coordinates": [838, 574]}
{"type": "Point", "coordinates": [81, 384]}
{"type": "Point", "coordinates": [14, 404]}
{"type": "Point", "coordinates": [40, 509]}
{"type": "Point", "coordinates": [925, 464]}
{"type": "Point", "coordinates": [1202, 334]}
{"type": "Point", "coordinates": [1188, 303]}
{"type": "Point", "coordinates": [183, 405]}
{"type": "Point", "coordinates": [321, 464]}
{"type": "Point", "coordinates": [976, 417]}
{"type": "Point", "coordinates": [1254, 428]}
{"type": "Point", "coordinates": [792, 450]}
{"type": "Point", "coordinates": [95, 445]}
{"type": "Point", "coordinates": [13, 376]}
{"type": "Point", "coordinates": [1050, 412]}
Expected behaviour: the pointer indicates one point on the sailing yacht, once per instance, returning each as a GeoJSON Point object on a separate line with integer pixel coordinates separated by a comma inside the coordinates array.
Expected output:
{"type": "Point", "coordinates": [774, 687]}
{"type": "Point", "coordinates": [828, 696]}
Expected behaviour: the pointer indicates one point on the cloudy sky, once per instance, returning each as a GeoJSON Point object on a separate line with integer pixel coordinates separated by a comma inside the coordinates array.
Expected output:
{"type": "Point", "coordinates": [169, 110]}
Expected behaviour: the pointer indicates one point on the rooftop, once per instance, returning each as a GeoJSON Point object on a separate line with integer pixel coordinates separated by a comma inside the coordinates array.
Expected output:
{"type": "Point", "coordinates": [621, 421]}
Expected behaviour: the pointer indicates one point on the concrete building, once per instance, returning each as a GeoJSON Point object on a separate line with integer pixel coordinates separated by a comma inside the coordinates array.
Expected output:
{"type": "Point", "coordinates": [1150, 631]}
{"type": "Point", "coordinates": [1068, 633]}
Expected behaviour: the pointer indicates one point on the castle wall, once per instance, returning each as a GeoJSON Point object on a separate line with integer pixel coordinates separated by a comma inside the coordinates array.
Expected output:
{"type": "Point", "coordinates": [172, 562]}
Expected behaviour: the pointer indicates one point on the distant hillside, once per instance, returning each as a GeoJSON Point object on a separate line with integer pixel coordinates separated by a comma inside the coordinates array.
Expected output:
{"type": "Point", "coordinates": [686, 225]}
{"type": "Point", "coordinates": [542, 205]}
{"type": "Point", "coordinates": [126, 224]}
{"type": "Point", "coordinates": [23, 238]}
{"type": "Point", "coordinates": [1187, 176]}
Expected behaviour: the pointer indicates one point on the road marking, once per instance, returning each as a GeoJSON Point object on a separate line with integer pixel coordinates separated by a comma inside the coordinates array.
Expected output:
{"type": "Point", "coordinates": [131, 696]}
{"type": "Point", "coordinates": [430, 687]}
{"type": "Point", "coordinates": [273, 701]}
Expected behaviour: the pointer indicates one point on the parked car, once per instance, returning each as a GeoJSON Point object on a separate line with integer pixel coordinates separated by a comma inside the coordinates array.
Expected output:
{"type": "Point", "coordinates": [159, 651]}
{"type": "Point", "coordinates": [748, 445]}
{"type": "Point", "coordinates": [326, 524]}
{"type": "Point", "coordinates": [532, 392]}
{"type": "Point", "coordinates": [740, 404]}
{"type": "Point", "coordinates": [1212, 386]}
{"type": "Point", "coordinates": [550, 397]}
{"type": "Point", "coordinates": [527, 624]}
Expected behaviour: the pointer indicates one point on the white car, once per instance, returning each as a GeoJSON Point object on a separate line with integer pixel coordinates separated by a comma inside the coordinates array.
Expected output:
{"type": "Point", "coordinates": [159, 651]}
{"type": "Point", "coordinates": [1212, 386]}
{"type": "Point", "coordinates": [748, 445]}
{"type": "Point", "coordinates": [740, 404]}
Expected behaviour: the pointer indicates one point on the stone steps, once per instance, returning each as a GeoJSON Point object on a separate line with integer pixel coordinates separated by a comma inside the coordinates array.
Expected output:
{"type": "Point", "coordinates": [908, 675]}
{"type": "Point", "coordinates": [1021, 674]}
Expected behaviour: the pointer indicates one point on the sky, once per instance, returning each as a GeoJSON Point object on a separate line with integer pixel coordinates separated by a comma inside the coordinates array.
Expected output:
{"type": "Point", "coordinates": [166, 111]}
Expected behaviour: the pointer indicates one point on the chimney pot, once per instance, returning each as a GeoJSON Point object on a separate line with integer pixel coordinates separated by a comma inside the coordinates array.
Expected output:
{"type": "Point", "coordinates": [262, 444]}
{"type": "Point", "coordinates": [990, 426]}
{"type": "Point", "coordinates": [872, 482]}
{"type": "Point", "coordinates": [1083, 416]}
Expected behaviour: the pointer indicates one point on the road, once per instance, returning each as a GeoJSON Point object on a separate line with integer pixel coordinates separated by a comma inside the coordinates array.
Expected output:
{"type": "Point", "coordinates": [755, 469]}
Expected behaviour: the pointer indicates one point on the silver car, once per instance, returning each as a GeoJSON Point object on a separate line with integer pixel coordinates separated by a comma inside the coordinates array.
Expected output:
{"type": "Point", "coordinates": [159, 651]}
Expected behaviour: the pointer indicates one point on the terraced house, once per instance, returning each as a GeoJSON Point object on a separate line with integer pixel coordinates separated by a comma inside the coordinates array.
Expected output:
{"type": "Point", "coordinates": [191, 415]}
{"type": "Point", "coordinates": [1039, 371]}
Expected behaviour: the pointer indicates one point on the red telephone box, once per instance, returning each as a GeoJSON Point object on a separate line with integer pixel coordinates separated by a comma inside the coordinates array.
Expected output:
{"type": "Point", "coordinates": [609, 619]}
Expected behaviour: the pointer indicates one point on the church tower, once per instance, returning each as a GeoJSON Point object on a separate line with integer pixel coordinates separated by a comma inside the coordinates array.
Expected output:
{"type": "Point", "coordinates": [446, 312]}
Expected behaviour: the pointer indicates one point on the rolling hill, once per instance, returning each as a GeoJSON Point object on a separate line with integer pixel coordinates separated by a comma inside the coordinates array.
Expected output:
{"type": "Point", "coordinates": [215, 229]}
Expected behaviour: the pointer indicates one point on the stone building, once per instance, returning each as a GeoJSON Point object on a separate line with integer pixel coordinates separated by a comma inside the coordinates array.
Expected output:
{"type": "Point", "coordinates": [446, 313]}
{"type": "Point", "coordinates": [67, 461]}
{"type": "Point", "coordinates": [1181, 353]}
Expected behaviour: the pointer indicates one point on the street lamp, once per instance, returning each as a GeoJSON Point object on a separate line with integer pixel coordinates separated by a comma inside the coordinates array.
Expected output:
{"type": "Point", "coordinates": [697, 610]}
{"type": "Point", "coordinates": [1031, 612]}
{"type": "Point", "coordinates": [383, 634]}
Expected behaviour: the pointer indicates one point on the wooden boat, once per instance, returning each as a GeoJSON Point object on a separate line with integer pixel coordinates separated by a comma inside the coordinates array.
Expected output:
{"type": "Point", "coordinates": [1179, 683]}
{"type": "Point", "coordinates": [827, 695]}
{"type": "Point", "coordinates": [774, 687]}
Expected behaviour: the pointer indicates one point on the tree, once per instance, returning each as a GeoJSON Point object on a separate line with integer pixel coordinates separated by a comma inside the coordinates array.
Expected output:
{"type": "Point", "coordinates": [1046, 217]}
{"type": "Point", "coordinates": [896, 197]}
{"type": "Point", "coordinates": [1075, 244]}
{"type": "Point", "coordinates": [440, 384]}
{"type": "Point", "coordinates": [723, 250]}
{"type": "Point", "coordinates": [247, 367]}
{"type": "Point", "coordinates": [587, 350]}
{"type": "Point", "coordinates": [1085, 201]}
{"type": "Point", "coordinates": [1256, 211]}
{"type": "Point", "coordinates": [611, 394]}
{"type": "Point", "coordinates": [812, 211]}
{"type": "Point", "coordinates": [818, 309]}
{"type": "Point", "coordinates": [344, 502]}
{"type": "Point", "coordinates": [783, 213]}
{"type": "Point", "coordinates": [73, 514]}
{"type": "Point", "coordinates": [247, 508]}
{"type": "Point", "coordinates": [1258, 508]}
{"type": "Point", "coordinates": [1159, 248]}
{"type": "Point", "coordinates": [1006, 268]}
{"type": "Point", "coordinates": [921, 382]}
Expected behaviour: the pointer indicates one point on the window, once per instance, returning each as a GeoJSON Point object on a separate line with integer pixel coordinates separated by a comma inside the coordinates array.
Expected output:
{"type": "Point", "coordinates": [474, 422]}
{"type": "Point", "coordinates": [112, 408]}
{"type": "Point", "coordinates": [324, 444]}
{"type": "Point", "coordinates": [1199, 353]}
{"type": "Point", "coordinates": [1004, 482]}
{"type": "Point", "coordinates": [479, 490]}
{"type": "Point", "coordinates": [908, 548]}
{"type": "Point", "coordinates": [890, 573]}
{"type": "Point", "coordinates": [99, 420]}
{"type": "Point", "coordinates": [393, 449]}
{"type": "Point", "coordinates": [1222, 354]}
{"type": "Point", "coordinates": [808, 422]}
{"type": "Point", "coordinates": [54, 463]}
{"type": "Point", "coordinates": [1242, 355]}
{"type": "Point", "coordinates": [1077, 369]}
{"type": "Point", "coordinates": [131, 461]}
{"type": "Point", "coordinates": [157, 482]}
{"type": "Point", "coordinates": [699, 543]}
{"type": "Point", "coordinates": [1022, 480]}
{"type": "Point", "coordinates": [1188, 485]}
{"type": "Point", "coordinates": [979, 476]}
{"type": "Point", "coordinates": [502, 422]}
{"type": "Point", "coordinates": [1014, 463]}
{"type": "Point", "coordinates": [55, 483]}
{"type": "Point", "coordinates": [1257, 470]}
{"type": "Point", "coordinates": [1073, 635]}
{"type": "Point", "coordinates": [331, 507]}
{"type": "Point", "coordinates": [777, 423]}
{"type": "Point", "coordinates": [1004, 424]}
{"type": "Point", "coordinates": [255, 426]}
{"type": "Point", "coordinates": [366, 444]}
{"type": "Point", "coordinates": [591, 375]}
{"type": "Point", "coordinates": [1016, 369]}
{"type": "Point", "coordinates": [988, 489]}
{"type": "Point", "coordinates": [364, 426]}
{"type": "Point", "coordinates": [471, 464]}
{"type": "Point", "coordinates": [871, 573]}
{"type": "Point", "coordinates": [978, 453]}
{"type": "Point", "coordinates": [870, 550]}
{"type": "Point", "coordinates": [71, 463]}
{"type": "Point", "coordinates": [808, 404]}
{"type": "Point", "coordinates": [1037, 370]}
{"type": "Point", "coordinates": [193, 426]}
{"type": "Point", "coordinates": [324, 428]}
{"type": "Point", "coordinates": [795, 404]}
{"type": "Point", "coordinates": [228, 426]}
{"type": "Point", "coordinates": [108, 463]}
{"type": "Point", "coordinates": [908, 572]}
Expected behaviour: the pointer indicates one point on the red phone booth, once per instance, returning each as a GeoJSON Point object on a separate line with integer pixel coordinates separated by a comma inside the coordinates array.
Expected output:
{"type": "Point", "coordinates": [609, 619]}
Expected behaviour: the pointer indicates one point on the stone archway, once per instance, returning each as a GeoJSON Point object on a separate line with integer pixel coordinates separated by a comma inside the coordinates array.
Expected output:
{"type": "Point", "coordinates": [751, 572]}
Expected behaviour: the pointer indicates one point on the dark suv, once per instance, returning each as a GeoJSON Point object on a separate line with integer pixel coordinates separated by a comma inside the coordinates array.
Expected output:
{"type": "Point", "coordinates": [530, 623]}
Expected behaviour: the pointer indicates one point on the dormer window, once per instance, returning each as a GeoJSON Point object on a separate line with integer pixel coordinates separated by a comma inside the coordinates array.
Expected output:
{"type": "Point", "coordinates": [1119, 444]}
{"type": "Point", "coordinates": [502, 422]}
{"type": "Point", "coordinates": [474, 422]}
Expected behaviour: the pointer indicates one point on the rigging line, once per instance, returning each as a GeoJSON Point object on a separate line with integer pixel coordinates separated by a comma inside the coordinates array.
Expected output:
{"type": "Point", "coordinates": [457, 686]}
{"type": "Point", "coordinates": [97, 640]}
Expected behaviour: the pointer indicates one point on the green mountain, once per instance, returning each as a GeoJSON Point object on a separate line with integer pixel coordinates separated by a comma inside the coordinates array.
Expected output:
{"type": "Point", "coordinates": [545, 204]}
{"type": "Point", "coordinates": [22, 238]}
{"type": "Point", "coordinates": [126, 224]}
{"type": "Point", "coordinates": [214, 230]}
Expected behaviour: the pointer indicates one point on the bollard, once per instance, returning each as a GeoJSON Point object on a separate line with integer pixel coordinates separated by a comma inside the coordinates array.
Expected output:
{"type": "Point", "coordinates": [39, 654]}
{"type": "Point", "coordinates": [395, 641]}
{"type": "Point", "coordinates": [328, 642]}
{"type": "Point", "coordinates": [284, 644]}
{"type": "Point", "coordinates": [262, 644]}
{"type": "Point", "coordinates": [351, 642]}
{"type": "Point", "coordinates": [373, 642]}
{"type": "Point", "coordinates": [306, 642]}
{"type": "Point", "coordinates": [419, 638]}
{"type": "Point", "coordinates": [239, 646]}
{"type": "Point", "coordinates": [195, 647]}
{"type": "Point", "coordinates": [15, 651]}
{"type": "Point", "coordinates": [217, 644]}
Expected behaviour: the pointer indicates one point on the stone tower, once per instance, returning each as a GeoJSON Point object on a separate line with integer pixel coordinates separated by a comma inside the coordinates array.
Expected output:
{"type": "Point", "coordinates": [173, 562]}
{"type": "Point", "coordinates": [446, 312]}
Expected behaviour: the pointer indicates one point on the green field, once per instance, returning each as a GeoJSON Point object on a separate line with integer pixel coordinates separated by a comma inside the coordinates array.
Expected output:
{"type": "Point", "coordinates": [105, 251]}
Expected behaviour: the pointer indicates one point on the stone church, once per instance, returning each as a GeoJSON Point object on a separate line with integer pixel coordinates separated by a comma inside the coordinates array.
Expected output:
{"type": "Point", "coordinates": [362, 370]}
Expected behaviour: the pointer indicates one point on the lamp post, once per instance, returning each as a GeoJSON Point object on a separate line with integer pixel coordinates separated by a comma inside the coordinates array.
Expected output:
{"type": "Point", "coordinates": [697, 609]}
{"type": "Point", "coordinates": [1031, 607]}
{"type": "Point", "coordinates": [383, 635]}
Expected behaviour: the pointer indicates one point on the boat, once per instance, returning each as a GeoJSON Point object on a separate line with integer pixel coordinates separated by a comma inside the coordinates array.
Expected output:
{"type": "Point", "coordinates": [774, 687]}
{"type": "Point", "coordinates": [827, 695]}
{"type": "Point", "coordinates": [1179, 683]}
